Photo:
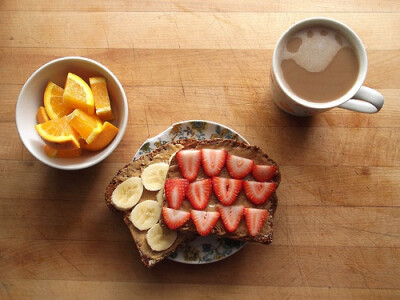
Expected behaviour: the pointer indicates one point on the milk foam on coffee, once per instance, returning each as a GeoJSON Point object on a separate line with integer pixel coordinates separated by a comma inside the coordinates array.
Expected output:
{"type": "Point", "coordinates": [318, 64]}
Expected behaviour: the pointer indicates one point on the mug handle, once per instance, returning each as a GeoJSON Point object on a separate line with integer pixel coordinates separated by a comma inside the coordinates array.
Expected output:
{"type": "Point", "coordinates": [366, 100]}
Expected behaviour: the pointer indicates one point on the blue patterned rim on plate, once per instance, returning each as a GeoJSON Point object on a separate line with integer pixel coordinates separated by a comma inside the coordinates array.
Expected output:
{"type": "Point", "coordinates": [194, 129]}
{"type": "Point", "coordinates": [207, 249]}
{"type": "Point", "coordinates": [210, 248]}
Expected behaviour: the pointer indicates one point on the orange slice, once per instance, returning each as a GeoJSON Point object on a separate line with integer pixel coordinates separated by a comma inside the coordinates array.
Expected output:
{"type": "Point", "coordinates": [77, 94]}
{"type": "Point", "coordinates": [88, 126]}
{"type": "Point", "coordinates": [107, 134]}
{"type": "Point", "coordinates": [101, 98]}
{"type": "Point", "coordinates": [58, 134]}
{"type": "Point", "coordinates": [41, 115]}
{"type": "Point", "coordinates": [54, 103]}
{"type": "Point", "coordinates": [68, 153]}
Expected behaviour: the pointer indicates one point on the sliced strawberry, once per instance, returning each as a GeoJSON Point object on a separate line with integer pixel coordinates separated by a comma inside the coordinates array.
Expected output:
{"type": "Point", "coordinates": [231, 216]}
{"type": "Point", "coordinates": [213, 161]}
{"type": "Point", "coordinates": [175, 218]}
{"type": "Point", "coordinates": [226, 189]}
{"type": "Point", "coordinates": [258, 192]}
{"type": "Point", "coordinates": [255, 219]}
{"type": "Point", "coordinates": [189, 163]}
{"type": "Point", "coordinates": [199, 193]}
{"type": "Point", "coordinates": [175, 191]}
{"type": "Point", "coordinates": [204, 220]}
{"type": "Point", "coordinates": [263, 172]}
{"type": "Point", "coordinates": [238, 167]}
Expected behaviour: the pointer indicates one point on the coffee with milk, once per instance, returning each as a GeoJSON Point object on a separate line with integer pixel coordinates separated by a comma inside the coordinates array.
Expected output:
{"type": "Point", "coordinates": [318, 64]}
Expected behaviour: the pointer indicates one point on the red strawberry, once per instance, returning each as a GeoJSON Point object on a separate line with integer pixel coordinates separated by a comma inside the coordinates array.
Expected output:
{"type": "Point", "coordinates": [213, 161]}
{"type": "Point", "coordinates": [226, 189]}
{"type": "Point", "coordinates": [175, 218]}
{"type": "Point", "coordinates": [263, 172]}
{"type": "Point", "coordinates": [238, 167]}
{"type": "Point", "coordinates": [255, 219]}
{"type": "Point", "coordinates": [199, 192]}
{"type": "Point", "coordinates": [189, 163]}
{"type": "Point", "coordinates": [175, 191]}
{"type": "Point", "coordinates": [204, 220]}
{"type": "Point", "coordinates": [258, 192]}
{"type": "Point", "coordinates": [231, 216]}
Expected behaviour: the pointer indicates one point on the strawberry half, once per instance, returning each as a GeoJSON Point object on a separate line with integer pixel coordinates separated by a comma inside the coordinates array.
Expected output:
{"type": "Point", "coordinates": [226, 189]}
{"type": "Point", "coordinates": [255, 219]}
{"type": "Point", "coordinates": [263, 172]}
{"type": "Point", "coordinates": [204, 220]}
{"type": "Point", "coordinates": [175, 191]}
{"type": "Point", "coordinates": [238, 167]}
{"type": "Point", "coordinates": [231, 216]}
{"type": "Point", "coordinates": [175, 218]}
{"type": "Point", "coordinates": [213, 161]}
{"type": "Point", "coordinates": [199, 193]}
{"type": "Point", "coordinates": [258, 192]}
{"type": "Point", "coordinates": [189, 163]}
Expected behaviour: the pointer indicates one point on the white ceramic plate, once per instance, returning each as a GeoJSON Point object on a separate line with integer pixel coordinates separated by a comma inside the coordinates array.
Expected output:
{"type": "Point", "coordinates": [211, 248]}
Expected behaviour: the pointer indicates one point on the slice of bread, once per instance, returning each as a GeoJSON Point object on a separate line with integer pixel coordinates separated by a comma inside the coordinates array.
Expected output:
{"type": "Point", "coordinates": [135, 168]}
{"type": "Point", "coordinates": [239, 149]}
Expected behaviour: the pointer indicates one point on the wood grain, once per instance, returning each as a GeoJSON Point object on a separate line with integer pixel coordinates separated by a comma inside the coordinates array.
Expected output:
{"type": "Point", "coordinates": [333, 151]}
{"type": "Point", "coordinates": [290, 147]}
{"type": "Point", "coordinates": [350, 267]}
{"type": "Point", "coordinates": [159, 30]}
{"type": "Point", "coordinates": [295, 225]}
{"type": "Point", "coordinates": [187, 68]}
{"type": "Point", "coordinates": [36, 289]}
{"type": "Point", "coordinates": [251, 105]}
{"type": "Point", "coordinates": [203, 6]}
{"type": "Point", "coordinates": [337, 227]}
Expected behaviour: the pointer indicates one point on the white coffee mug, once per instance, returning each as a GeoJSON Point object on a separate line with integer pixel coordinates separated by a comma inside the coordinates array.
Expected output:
{"type": "Point", "coordinates": [359, 98]}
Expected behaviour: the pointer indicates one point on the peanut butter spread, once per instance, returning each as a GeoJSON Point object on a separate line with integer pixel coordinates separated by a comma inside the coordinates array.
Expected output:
{"type": "Point", "coordinates": [135, 168]}
{"type": "Point", "coordinates": [242, 150]}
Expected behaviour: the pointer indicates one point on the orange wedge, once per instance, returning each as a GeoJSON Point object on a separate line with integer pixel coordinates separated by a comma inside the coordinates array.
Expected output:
{"type": "Point", "coordinates": [54, 103]}
{"type": "Point", "coordinates": [68, 153]}
{"type": "Point", "coordinates": [58, 134]}
{"type": "Point", "coordinates": [107, 134]}
{"type": "Point", "coordinates": [41, 115]}
{"type": "Point", "coordinates": [101, 98]}
{"type": "Point", "coordinates": [88, 126]}
{"type": "Point", "coordinates": [77, 94]}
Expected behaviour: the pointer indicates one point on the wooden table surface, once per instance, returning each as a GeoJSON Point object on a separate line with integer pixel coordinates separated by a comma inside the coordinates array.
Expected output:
{"type": "Point", "coordinates": [337, 231]}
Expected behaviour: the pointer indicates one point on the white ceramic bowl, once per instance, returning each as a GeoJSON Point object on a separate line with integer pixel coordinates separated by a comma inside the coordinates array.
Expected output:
{"type": "Point", "coordinates": [31, 98]}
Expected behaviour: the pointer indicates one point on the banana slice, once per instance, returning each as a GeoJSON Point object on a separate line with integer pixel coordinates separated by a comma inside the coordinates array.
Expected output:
{"type": "Point", "coordinates": [145, 214]}
{"type": "Point", "coordinates": [160, 238]}
{"type": "Point", "coordinates": [127, 194]}
{"type": "Point", "coordinates": [159, 196]}
{"type": "Point", "coordinates": [153, 177]}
